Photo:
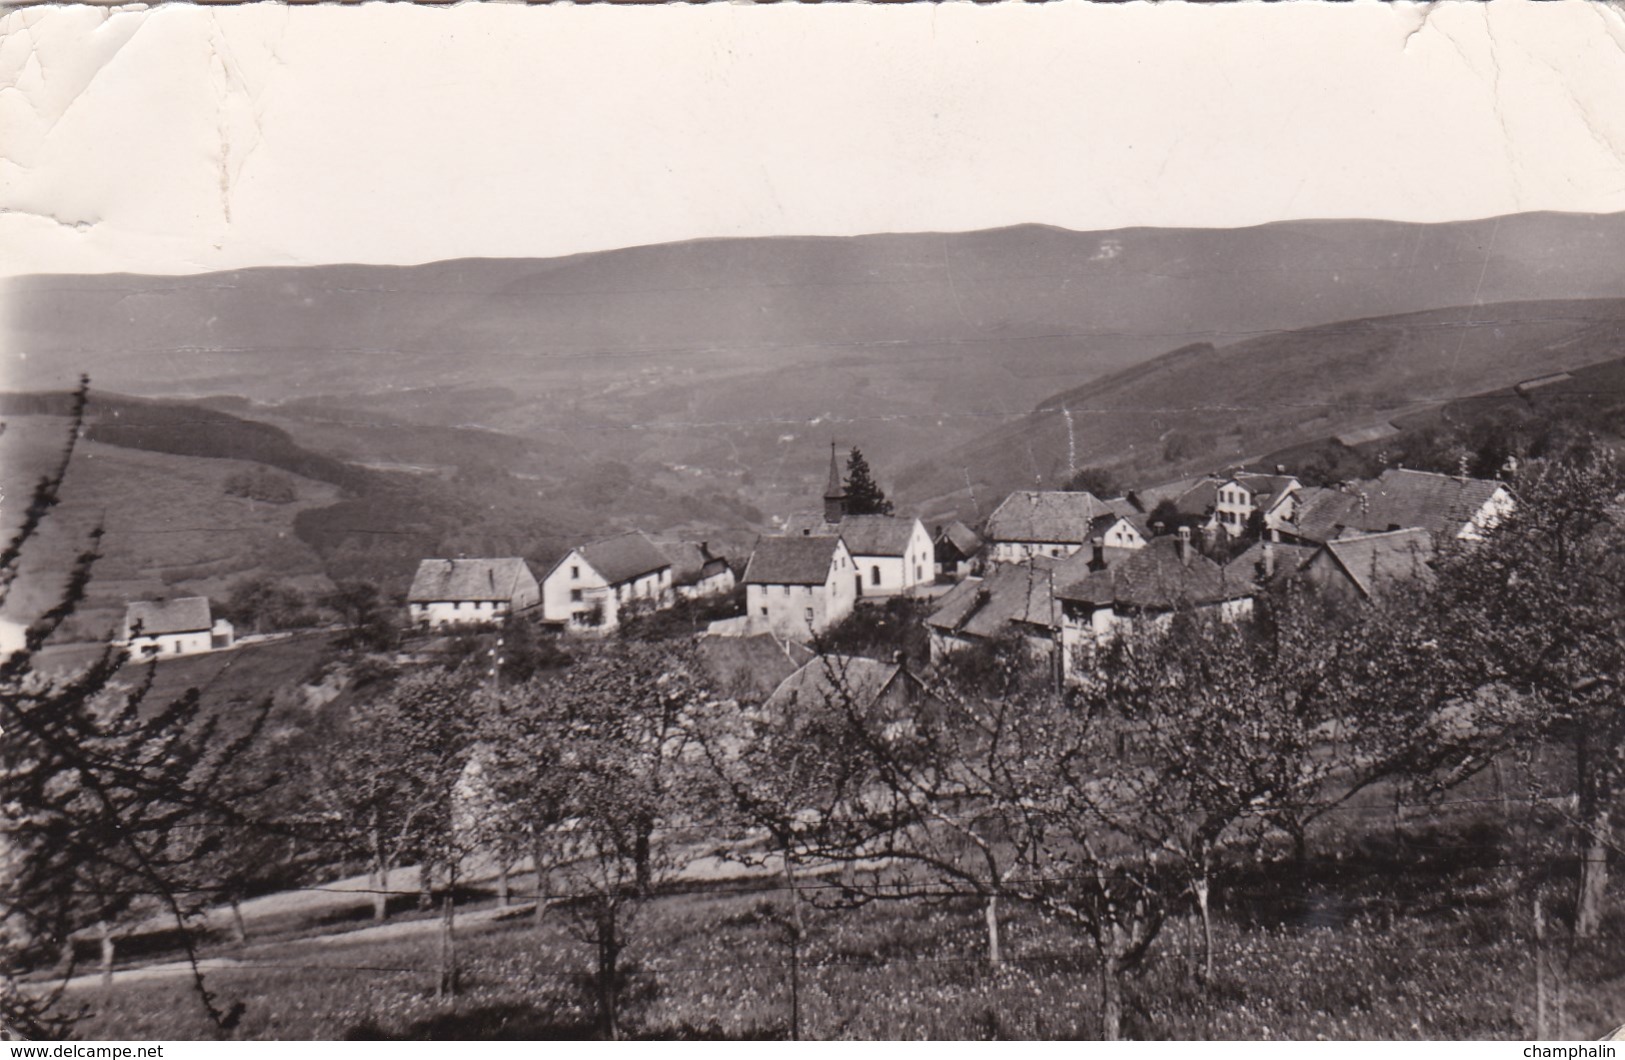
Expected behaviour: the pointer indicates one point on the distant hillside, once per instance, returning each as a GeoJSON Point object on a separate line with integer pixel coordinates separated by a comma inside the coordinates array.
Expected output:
{"type": "Point", "coordinates": [1202, 406]}
{"type": "Point", "coordinates": [688, 355]}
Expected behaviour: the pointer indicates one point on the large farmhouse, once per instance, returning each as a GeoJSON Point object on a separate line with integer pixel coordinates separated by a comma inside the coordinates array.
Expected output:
{"type": "Point", "coordinates": [592, 587]}
{"type": "Point", "coordinates": [1450, 507]}
{"type": "Point", "coordinates": [173, 627]}
{"type": "Point", "coordinates": [798, 586]}
{"type": "Point", "coordinates": [453, 592]}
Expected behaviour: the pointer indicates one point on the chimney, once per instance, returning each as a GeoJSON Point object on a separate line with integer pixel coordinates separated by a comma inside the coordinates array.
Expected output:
{"type": "Point", "coordinates": [1280, 469]}
{"type": "Point", "coordinates": [1098, 560]}
{"type": "Point", "coordinates": [1269, 560]}
{"type": "Point", "coordinates": [1157, 528]}
{"type": "Point", "coordinates": [1185, 545]}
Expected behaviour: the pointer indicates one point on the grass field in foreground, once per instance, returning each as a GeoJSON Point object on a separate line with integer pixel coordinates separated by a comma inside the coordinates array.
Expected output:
{"type": "Point", "coordinates": [716, 965]}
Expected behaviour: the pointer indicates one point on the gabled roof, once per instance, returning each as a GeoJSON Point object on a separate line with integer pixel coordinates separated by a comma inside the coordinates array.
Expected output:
{"type": "Point", "coordinates": [623, 557]}
{"type": "Point", "coordinates": [1370, 560]}
{"type": "Point", "coordinates": [189, 614]}
{"type": "Point", "coordinates": [1322, 513]}
{"type": "Point", "coordinates": [1045, 515]}
{"type": "Point", "coordinates": [448, 580]}
{"type": "Point", "coordinates": [1201, 498]}
{"type": "Point", "coordinates": [1148, 498]}
{"type": "Point", "coordinates": [1111, 519]}
{"type": "Point", "coordinates": [1156, 578]}
{"type": "Point", "coordinates": [967, 541]}
{"type": "Point", "coordinates": [837, 680]}
{"type": "Point", "coordinates": [691, 562]}
{"type": "Point", "coordinates": [1260, 484]}
{"type": "Point", "coordinates": [1400, 499]}
{"type": "Point", "coordinates": [791, 560]}
{"type": "Point", "coordinates": [809, 524]}
{"type": "Point", "coordinates": [876, 535]}
{"type": "Point", "coordinates": [1008, 593]}
{"type": "Point", "coordinates": [1251, 565]}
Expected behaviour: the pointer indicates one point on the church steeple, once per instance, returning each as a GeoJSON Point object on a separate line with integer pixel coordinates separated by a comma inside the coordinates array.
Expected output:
{"type": "Point", "coordinates": [835, 492]}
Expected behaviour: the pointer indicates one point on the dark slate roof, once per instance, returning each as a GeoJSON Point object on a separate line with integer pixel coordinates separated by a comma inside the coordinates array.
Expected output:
{"type": "Point", "coordinates": [189, 614]}
{"type": "Point", "coordinates": [1249, 566]}
{"type": "Point", "coordinates": [1202, 497]}
{"type": "Point", "coordinates": [876, 535]}
{"type": "Point", "coordinates": [1371, 560]}
{"type": "Point", "coordinates": [791, 560]}
{"type": "Point", "coordinates": [809, 524]}
{"type": "Point", "coordinates": [1400, 499]}
{"type": "Point", "coordinates": [624, 557]}
{"type": "Point", "coordinates": [1148, 498]}
{"type": "Point", "coordinates": [1045, 515]}
{"type": "Point", "coordinates": [1155, 578]}
{"type": "Point", "coordinates": [756, 663]}
{"type": "Point", "coordinates": [827, 679]}
{"type": "Point", "coordinates": [691, 562]}
{"type": "Point", "coordinates": [961, 537]}
{"type": "Point", "coordinates": [441, 580]}
{"type": "Point", "coordinates": [1322, 513]}
{"type": "Point", "coordinates": [1009, 592]}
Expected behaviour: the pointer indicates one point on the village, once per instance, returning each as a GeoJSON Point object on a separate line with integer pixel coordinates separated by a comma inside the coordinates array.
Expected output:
{"type": "Point", "coordinates": [1062, 571]}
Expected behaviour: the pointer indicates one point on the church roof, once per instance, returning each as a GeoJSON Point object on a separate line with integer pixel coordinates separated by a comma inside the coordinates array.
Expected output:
{"type": "Point", "coordinates": [876, 535]}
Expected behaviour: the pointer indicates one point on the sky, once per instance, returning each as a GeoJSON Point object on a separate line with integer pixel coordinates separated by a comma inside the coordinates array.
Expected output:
{"type": "Point", "coordinates": [183, 139]}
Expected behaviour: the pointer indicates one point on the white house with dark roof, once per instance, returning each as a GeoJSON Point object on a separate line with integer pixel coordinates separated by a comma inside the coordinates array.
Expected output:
{"type": "Point", "coordinates": [592, 586]}
{"type": "Point", "coordinates": [1246, 493]}
{"type": "Point", "coordinates": [456, 592]}
{"type": "Point", "coordinates": [173, 627]}
{"type": "Point", "coordinates": [696, 571]}
{"type": "Point", "coordinates": [1057, 523]}
{"type": "Point", "coordinates": [796, 586]}
{"type": "Point", "coordinates": [1450, 507]}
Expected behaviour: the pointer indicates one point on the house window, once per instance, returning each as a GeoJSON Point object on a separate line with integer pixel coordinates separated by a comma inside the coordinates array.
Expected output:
{"type": "Point", "coordinates": [575, 596]}
{"type": "Point", "coordinates": [457, 605]}
{"type": "Point", "coordinates": [575, 572]}
{"type": "Point", "coordinates": [786, 590]}
{"type": "Point", "coordinates": [809, 616]}
{"type": "Point", "coordinates": [874, 575]}
{"type": "Point", "coordinates": [764, 610]}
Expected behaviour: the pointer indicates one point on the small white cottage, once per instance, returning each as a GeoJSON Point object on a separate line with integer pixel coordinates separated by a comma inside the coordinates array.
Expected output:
{"type": "Point", "coordinates": [173, 627]}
